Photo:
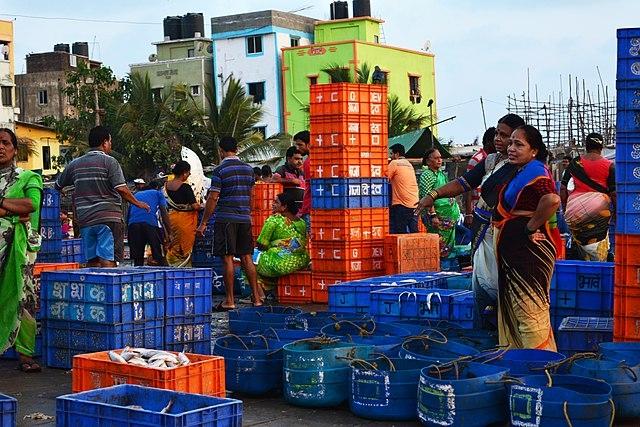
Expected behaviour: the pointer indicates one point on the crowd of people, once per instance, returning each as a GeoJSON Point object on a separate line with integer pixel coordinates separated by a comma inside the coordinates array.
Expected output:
{"type": "Point", "coordinates": [510, 206]}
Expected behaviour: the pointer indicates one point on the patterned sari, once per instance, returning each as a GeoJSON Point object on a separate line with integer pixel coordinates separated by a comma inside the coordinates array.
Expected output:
{"type": "Point", "coordinates": [447, 210]}
{"type": "Point", "coordinates": [524, 267]}
{"type": "Point", "coordinates": [19, 244]}
{"type": "Point", "coordinates": [184, 221]}
{"type": "Point", "coordinates": [286, 243]}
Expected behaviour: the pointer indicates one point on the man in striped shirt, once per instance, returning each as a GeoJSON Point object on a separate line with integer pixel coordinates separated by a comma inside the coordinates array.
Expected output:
{"type": "Point", "coordinates": [471, 198]}
{"type": "Point", "coordinates": [97, 200]}
{"type": "Point", "coordinates": [229, 200]}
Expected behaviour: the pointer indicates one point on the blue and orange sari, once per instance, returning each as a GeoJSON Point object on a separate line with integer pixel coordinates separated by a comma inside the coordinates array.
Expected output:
{"type": "Point", "coordinates": [524, 267]}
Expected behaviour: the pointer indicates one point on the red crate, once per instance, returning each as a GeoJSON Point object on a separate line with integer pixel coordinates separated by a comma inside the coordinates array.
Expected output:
{"type": "Point", "coordinates": [257, 222]}
{"type": "Point", "coordinates": [405, 253]}
{"type": "Point", "coordinates": [626, 313]}
{"type": "Point", "coordinates": [204, 375]}
{"type": "Point", "coordinates": [263, 195]}
{"type": "Point", "coordinates": [348, 98]}
{"type": "Point", "coordinates": [342, 162]}
{"type": "Point", "coordinates": [349, 131]}
{"type": "Point", "coordinates": [295, 288]}
{"type": "Point", "coordinates": [343, 257]}
{"type": "Point", "coordinates": [627, 261]}
{"type": "Point", "coordinates": [342, 225]}
{"type": "Point", "coordinates": [321, 282]}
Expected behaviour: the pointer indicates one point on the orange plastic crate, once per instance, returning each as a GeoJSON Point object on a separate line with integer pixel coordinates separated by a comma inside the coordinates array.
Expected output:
{"type": "Point", "coordinates": [627, 261]}
{"type": "Point", "coordinates": [405, 253]}
{"type": "Point", "coordinates": [295, 288]}
{"type": "Point", "coordinates": [341, 225]}
{"type": "Point", "coordinates": [321, 282]}
{"type": "Point", "coordinates": [342, 162]}
{"type": "Point", "coordinates": [40, 267]}
{"type": "Point", "coordinates": [626, 313]}
{"type": "Point", "coordinates": [263, 195]}
{"type": "Point", "coordinates": [342, 257]}
{"type": "Point", "coordinates": [349, 131]}
{"type": "Point", "coordinates": [204, 375]}
{"type": "Point", "coordinates": [352, 98]}
{"type": "Point", "coordinates": [257, 222]}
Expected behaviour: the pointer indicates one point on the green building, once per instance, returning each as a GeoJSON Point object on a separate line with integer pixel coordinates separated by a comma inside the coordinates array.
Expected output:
{"type": "Point", "coordinates": [350, 43]}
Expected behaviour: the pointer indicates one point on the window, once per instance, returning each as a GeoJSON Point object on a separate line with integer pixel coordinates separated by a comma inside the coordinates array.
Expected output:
{"type": "Point", "coordinates": [43, 99]}
{"type": "Point", "coordinates": [46, 157]}
{"type": "Point", "coordinates": [295, 41]}
{"type": "Point", "coordinates": [262, 130]}
{"type": "Point", "coordinates": [23, 156]}
{"type": "Point", "coordinates": [156, 93]}
{"type": "Point", "coordinates": [7, 99]}
{"type": "Point", "coordinates": [414, 89]}
{"type": "Point", "coordinates": [191, 53]}
{"type": "Point", "coordinates": [257, 91]}
{"type": "Point", "coordinates": [376, 38]}
{"type": "Point", "coordinates": [313, 80]}
{"type": "Point", "coordinates": [254, 45]}
{"type": "Point", "coordinates": [195, 90]}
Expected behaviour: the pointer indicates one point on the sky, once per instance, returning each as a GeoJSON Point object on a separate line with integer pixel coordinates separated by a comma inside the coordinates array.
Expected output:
{"type": "Point", "coordinates": [483, 48]}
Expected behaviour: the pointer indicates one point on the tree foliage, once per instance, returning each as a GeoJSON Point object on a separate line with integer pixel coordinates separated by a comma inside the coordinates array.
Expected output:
{"type": "Point", "coordinates": [402, 118]}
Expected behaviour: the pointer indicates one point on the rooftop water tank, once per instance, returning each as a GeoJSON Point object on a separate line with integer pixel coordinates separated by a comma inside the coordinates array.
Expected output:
{"type": "Point", "coordinates": [339, 10]}
{"type": "Point", "coordinates": [172, 27]}
{"type": "Point", "coordinates": [80, 48]}
{"type": "Point", "coordinates": [192, 23]}
{"type": "Point", "coordinates": [61, 47]}
{"type": "Point", "coordinates": [361, 8]}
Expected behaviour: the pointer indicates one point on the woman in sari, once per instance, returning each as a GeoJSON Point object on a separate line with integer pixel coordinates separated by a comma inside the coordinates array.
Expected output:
{"type": "Point", "coordinates": [282, 242]}
{"type": "Point", "coordinates": [526, 245]}
{"type": "Point", "coordinates": [183, 215]}
{"type": "Point", "coordinates": [20, 197]}
{"type": "Point", "coordinates": [491, 174]}
{"type": "Point", "coordinates": [444, 214]}
{"type": "Point", "coordinates": [587, 206]}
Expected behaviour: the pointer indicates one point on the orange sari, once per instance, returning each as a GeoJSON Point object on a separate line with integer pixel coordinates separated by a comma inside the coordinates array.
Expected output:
{"type": "Point", "coordinates": [184, 221]}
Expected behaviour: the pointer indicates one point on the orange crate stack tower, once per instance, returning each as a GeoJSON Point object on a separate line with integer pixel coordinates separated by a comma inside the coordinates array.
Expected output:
{"type": "Point", "coordinates": [350, 208]}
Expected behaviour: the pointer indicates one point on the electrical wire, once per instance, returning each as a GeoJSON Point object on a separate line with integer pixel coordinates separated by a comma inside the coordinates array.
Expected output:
{"type": "Point", "coordinates": [109, 21]}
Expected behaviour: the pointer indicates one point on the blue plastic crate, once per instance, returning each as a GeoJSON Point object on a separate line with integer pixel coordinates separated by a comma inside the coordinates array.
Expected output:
{"type": "Point", "coordinates": [583, 276]}
{"type": "Point", "coordinates": [191, 334]}
{"type": "Point", "coordinates": [628, 99]}
{"type": "Point", "coordinates": [72, 247]}
{"type": "Point", "coordinates": [628, 120]}
{"type": "Point", "coordinates": [50, 213]}
{"type": "Point", "coordinates": [8, 411]}
{"type": "Point", "coordinates": [51, 229]}
{"type": "Point", "coordinates": [627, 172]}
{"type": "Point", "coordinates": [628, 149]}
{"type": "Point", "coordinates": [583, 334]}
{"type": "Point", "coordinates": [50, 198]}
{"type": "Point", "coordinates": [49, 246]}
{"type": "Point", "coordinates": [349, 193]}
{"type": "Point", "coordinates": [457, 280]}
{"type": "Point", "coordinates": [627, 84]}
{"type": "Point", "coordinates": [409, 303]}
{"type": "Point", "coordinates": [65, 339]}
{"type": "Point", "coordinates": [188, 291]}
{"type": "Point", "coordinates": [110, 295]}
{"type": "Point", "coordinates": [628, 198]}
{"type": "Point", "coordinates": [462, 309]}
{"type": "Point", "coordinates": [628, 68]}
{"type": "Point", "coordinates": [628, 224]}
{"type": "Point", "coordinates": [449, 264]}
{"type": "Point", "coordinates": [118, 405]}
{"type": "Point", "coordinates": [49, 257]}
{"type": "Point", "coordinates": [202, 258]}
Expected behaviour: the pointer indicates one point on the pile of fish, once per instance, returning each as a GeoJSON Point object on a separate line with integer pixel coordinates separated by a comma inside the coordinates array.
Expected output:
{"type": "Point", "coordinates": [149, 358]}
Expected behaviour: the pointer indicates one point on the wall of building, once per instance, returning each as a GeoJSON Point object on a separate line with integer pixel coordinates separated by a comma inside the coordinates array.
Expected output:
{"type": "Point", "coordinates": [364, 29]}
{"type": "Point", "coordinates": [180, 48]}
{"type": "Point", "coordinates": [7, 80]}
{"type": "Point", "coordinates": [28, 91]}
{"type": "Point", "coordinates": [187, 71]}
{"type": "Point", "coordinates": [43, 137]}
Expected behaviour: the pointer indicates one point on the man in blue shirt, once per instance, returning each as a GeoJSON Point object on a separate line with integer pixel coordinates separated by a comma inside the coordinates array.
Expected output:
{"type": "Point", "coordinates": [229, 200]}
{"type": "Point", "coordinates": [144, 227]}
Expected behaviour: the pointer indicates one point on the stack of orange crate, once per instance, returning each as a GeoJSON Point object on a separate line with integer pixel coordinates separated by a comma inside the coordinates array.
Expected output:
{"type": "Point", "coordinates": [349, 155]}
{"type": "Point", "coordinates": [406, 253]}
{"type": "Point", "coordinates": [261, 202]}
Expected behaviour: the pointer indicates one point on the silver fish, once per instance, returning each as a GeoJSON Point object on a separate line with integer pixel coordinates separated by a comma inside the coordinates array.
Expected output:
{"type": "Point", "coordinates": [158, 363]}
{"type": "Point", "coordinates": [167, 408]}
{"type": "Point", "coordinates": [165, 357]}
{"type": "Point", "coordinates": [128, 355]}
{"type": "Point", "coordinates": [183, 359]}
{"type": "Point", "coordinates": [115, 357]}
{"type": "Point", "coordinates": [138, 361]}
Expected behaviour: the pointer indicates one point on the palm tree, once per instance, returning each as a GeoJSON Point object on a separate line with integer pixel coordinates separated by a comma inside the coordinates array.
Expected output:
{"type": "Point", "coordinates": [402, 118]}
{"type": "Point", "coordinates": [268, 151]}
{"type": "Point", "coordinates": [26, 148]}
{"type": "Point", "coordinates": [338, 74]}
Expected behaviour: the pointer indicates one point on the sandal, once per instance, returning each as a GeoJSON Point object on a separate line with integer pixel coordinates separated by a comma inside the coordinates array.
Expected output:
{"type": "Point", "coordinates": [221, 308]}
{"type": "Point", "coordinates": [29, 366]}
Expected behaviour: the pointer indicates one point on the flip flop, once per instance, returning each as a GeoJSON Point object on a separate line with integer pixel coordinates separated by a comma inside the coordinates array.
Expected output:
{"type": "Point", "coordinates": [221, 309]}
{"type": "Point", "coordinates": [29, 366]}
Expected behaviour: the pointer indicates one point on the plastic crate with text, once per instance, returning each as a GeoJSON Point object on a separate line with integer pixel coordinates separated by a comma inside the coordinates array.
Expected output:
{"type": "Point", "coordinates": [188, 333]}
{"type": "Point", "coordinates": [628, 54]}
{"type": "Point", "coordinates": [39, 268]}
{"type": "Point", "coordinates": [627, 261]}
{"type": "Point", "coordinates": [583, 334]}
{"type": "Point", "coordinates": [341, 162]}
{"type": "Point", "coordinates": [50, 205]}
{"type": "Point", "coordinates": [348, 193]}
{"type": "Point", "coordinates": [347, 131]}
{"type": "Point", "coordinates": [341, 225]}
{"type": "Point", "coordinates": [628, 207]}
{"type": "Point", "coordinates": [352, 98]}
{"type": "Point", "coordinates": [405, 253]}
{"type": "Point", "coordinates": [321, 281]}
{"type": "Point", "coordinates": [363, 256]}
{"type": "Point", "coordinates": [626, 314]}
{"type": "Point", "coordinates": [263, 195]}
{"type": "Point", "coordinates": [295, 288]}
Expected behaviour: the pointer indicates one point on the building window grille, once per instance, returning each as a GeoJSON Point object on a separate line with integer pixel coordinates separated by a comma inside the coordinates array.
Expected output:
{"type": "Point", "coordinates": [254, 45]}
{"type": "Point", "coordinates": [257, 91]}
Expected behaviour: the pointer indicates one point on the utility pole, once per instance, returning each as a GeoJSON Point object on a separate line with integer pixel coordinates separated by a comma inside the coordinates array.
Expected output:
{"type": "Point", "coordinates": [484, 118]}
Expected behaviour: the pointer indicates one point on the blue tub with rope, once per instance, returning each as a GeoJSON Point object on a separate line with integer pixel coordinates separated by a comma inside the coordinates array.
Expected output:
{"type": "Point", "coordinates": [317, 372]}
{"type": "Point", "coordinates": [385, 389]}
{"type": "Point", "coordinates": [386, 338]}
{"type": "Point", "coordinates": [561, 400]}
{"type": "Point", "coordinates": [277, 338]}
{"type": "Point", "coordinates": [462, 393]}
{"type": "Point", "coordinates": [251, 365]}
{"type": "Point", "coordinates": [250, 319]}
{"type": "Point", "coordinates": [316, 320]}
{"type": "Point", "coordinates": [435, 348]}
{"type": "Point", "coordinates": [627, 351]}
{"type": "Point", "coordinates": [622, 378]}
{"type": "Point", "coordinates": [525, 361]}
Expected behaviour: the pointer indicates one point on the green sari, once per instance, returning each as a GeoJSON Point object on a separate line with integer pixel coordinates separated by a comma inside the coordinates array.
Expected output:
{"type": "Point", "coordinates": [19, 244]}
{"type": "Point", "coordinates": [447, 211]}
{"type": "Point", "coordinates": [286, 243]}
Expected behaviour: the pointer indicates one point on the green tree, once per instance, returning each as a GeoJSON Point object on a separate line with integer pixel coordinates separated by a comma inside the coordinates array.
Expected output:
{"type": "Point", "coordinates": [402, 118]}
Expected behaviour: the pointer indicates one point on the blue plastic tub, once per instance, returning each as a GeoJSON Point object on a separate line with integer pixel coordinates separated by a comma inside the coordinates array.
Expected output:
{"type": "Point", "coordinates": [622, 378]}
{"type": "Point", "coordinates": [316, 320]}
{"type": "Point", "coordinates": [316, 374]}
{"type": "Point", "coordinates": [583, 334]}
{"type": "Point", "coordinates": [618, 351]}
{"type": "Point", "coordinates": [522, 362]}
{"type": "Point", "coordinates": [118, 405]}
{"type": "Point", "coordinates": [434, 351]}
{"type": "Point", "coordinates": [569, 400]}
{"type": "Point", "coordinates": [386, 393]}
{"type": "Point", "coordinates": [480, 339]}
{"type": "Point", "coordinates": [467, 394]}
{"type": "Point", "coordinates": [251, 319]}
{"type": "Point", "coordinates": [349, 193]}
{"type": "Point", "coordinates": [277, 338]}
{"type": "Point", "coordinates": [251, 365]}
{"type": "Point", "coordinates": [385, 337]}
{"type": "Point", "coordinates": [8, 410]}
